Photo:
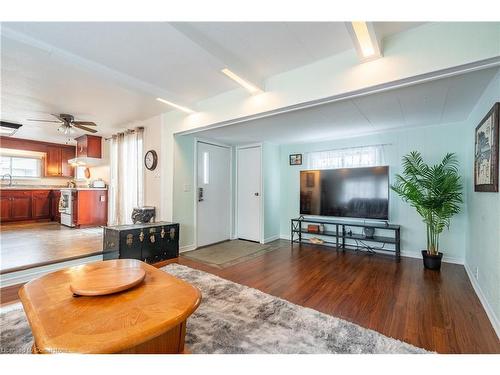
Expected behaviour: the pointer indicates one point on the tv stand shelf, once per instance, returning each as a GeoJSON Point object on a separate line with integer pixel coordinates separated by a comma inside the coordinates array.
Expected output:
{"type": "Point", "coordinates": [341, 235]}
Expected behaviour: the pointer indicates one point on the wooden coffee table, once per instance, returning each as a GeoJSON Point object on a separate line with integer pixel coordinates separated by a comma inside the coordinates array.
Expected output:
{"type": "Point", "coordinates": [148, 318]}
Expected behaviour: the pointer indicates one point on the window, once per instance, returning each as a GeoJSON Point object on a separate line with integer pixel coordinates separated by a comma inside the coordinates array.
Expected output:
{"type": "Point", "coordinates": [21, 167]}
{"type": "Point", "coordinates": [367, 156]}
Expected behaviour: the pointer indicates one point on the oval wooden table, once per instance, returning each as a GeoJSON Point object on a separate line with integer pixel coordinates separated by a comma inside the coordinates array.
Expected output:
{"type": "Point", "coordinates": [148, 318]}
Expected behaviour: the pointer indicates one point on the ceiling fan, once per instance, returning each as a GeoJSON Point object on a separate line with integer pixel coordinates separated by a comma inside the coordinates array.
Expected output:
{"type": "Point", "coordinates": [68, 123]}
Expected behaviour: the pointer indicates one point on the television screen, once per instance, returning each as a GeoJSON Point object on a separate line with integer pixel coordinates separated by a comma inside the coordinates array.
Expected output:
{"type": "Point", "coordinates": [346, 192]}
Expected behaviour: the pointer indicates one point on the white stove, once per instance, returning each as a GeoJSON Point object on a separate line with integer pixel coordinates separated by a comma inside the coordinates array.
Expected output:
{"type": "Point", "coordinates": [66, 207]}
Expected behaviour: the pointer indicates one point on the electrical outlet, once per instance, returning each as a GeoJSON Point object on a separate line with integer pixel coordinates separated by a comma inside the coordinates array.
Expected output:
{"type": "Point", "coordinates": [477, 273]}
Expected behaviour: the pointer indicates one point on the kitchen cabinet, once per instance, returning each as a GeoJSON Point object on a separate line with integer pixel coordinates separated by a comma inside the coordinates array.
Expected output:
{"type": "Point", "coordinates": [55, 215]}
{"type": "Point", "coordinates": [56, 161]}
{"type": "Point", "coordinates": [5, 205]}
{"type": "Point", "coordinates": [19, 205]}
{"type": "Point", "coordinates": [53, 162]}
{"type": "Point", "coordinates": [91, 207]}
{"type": "Point", "coordinates": [40, 204]}
{"type": "Point", "coordinates": [16, 205]}
{"type": "Point", "coordinates": [88, 146]}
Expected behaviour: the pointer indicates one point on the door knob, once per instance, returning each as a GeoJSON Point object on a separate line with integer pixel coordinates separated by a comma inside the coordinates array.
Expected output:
{"type": "Point", "coordinates": [256, 194]}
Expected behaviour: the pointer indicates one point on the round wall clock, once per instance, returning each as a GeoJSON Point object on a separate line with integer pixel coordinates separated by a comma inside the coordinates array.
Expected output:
{"type": "Point", "coordinates": [151, 160]}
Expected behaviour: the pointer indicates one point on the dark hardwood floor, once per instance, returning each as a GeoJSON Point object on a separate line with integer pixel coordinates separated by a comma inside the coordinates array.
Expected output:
{"type": "Point", "coordinates": [438, 311]}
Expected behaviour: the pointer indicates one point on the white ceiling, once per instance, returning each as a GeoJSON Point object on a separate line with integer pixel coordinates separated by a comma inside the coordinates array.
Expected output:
{"type": "Point", "coordinates": [441, 101]}
{"type": "Point", "coordinates": [111, 72]}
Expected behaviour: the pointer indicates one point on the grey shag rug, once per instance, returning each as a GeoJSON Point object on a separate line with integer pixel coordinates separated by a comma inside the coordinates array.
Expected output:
{"type": "Point", "coordinates": [233, 318]}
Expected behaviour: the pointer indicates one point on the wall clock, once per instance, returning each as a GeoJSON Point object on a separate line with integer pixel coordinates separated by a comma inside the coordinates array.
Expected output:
{"type": "Point", "coordinates": [151, 160]}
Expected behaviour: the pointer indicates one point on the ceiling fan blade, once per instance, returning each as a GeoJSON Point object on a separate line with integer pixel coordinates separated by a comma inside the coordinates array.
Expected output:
{"type": "Point", "coordinates": [32, 119]}
{"type": "Point", "coordinates": [85, 128]}
{"type": "Point", "coordinates": [86, 123]}
{"type": "Point", "coordinates": [58, 117]}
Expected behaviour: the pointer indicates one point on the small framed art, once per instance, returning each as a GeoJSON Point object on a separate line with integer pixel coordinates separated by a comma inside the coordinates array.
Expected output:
{"type": "Point", "coordinates": [296, 159]}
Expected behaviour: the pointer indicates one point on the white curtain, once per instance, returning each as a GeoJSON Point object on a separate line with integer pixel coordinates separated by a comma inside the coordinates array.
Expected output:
{"type": "Point", "coordinates": [126, 189]}
{"type": "Point", "coordinates": [366, 156]}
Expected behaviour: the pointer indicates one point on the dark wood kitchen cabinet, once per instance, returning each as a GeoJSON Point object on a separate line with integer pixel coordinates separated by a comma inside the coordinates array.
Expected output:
{"type": "Point", "coordinates": [90, 207]}
{"type": "Point", "coordinates": [67, 153]}
{"type": "Point", "coordinates": [16, 205]}
{"type": "Point", "coordinates": [53, 162]}
{"type": "Point", "coordinates": [88, 146]}
{"type": "Point", "coordinates": [40, 204]}
{"type": "Point", "coordinates": [20, 205]}
{"type": "Point", "coordinates": [56, 161]}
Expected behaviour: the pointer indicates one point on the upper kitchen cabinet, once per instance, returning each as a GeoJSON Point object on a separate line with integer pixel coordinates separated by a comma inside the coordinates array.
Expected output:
{"type": "Point", "coordinates": [88, 146]}
{"type": "Point", "coordinates": [56, 161]}
{"type": "Point", "coordinates": [56, 155]}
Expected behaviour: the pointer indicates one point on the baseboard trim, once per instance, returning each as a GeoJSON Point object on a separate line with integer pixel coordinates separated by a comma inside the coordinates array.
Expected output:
{"type": "Point", "coordinates": [494, 320]}
{"type": "Point", "coordinates": [418, 255]}
{"type": "Point", "coordinates": [21, 277]}
{"type": "Point", "coordinates": [271, 239]}
{"type": "Point", "coordinates": [183, 249]}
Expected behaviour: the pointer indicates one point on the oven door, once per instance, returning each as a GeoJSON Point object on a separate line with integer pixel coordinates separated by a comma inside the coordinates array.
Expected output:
{"type": "Point", "coordinates": [66, 208]}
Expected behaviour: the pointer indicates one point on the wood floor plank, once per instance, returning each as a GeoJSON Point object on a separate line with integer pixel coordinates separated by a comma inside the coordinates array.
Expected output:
{"type": "Point", "coordinates": [438, 311]}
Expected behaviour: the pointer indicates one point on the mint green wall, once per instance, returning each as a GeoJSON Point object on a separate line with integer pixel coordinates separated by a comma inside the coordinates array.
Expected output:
{"type": "Point", "coordinates": [271, 193]}
{"type": "Point", "coordinates": [483, 250]}
{"type": "Point", "coordinates": [433, 142]}
{"type": "Point", "coordinates": [183, 201]}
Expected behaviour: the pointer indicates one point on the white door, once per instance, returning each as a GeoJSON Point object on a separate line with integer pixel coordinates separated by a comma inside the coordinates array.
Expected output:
{"type": "Point", "coordinates": [213, 193]}
{"type": "Point", "coordinates": [249, 194]}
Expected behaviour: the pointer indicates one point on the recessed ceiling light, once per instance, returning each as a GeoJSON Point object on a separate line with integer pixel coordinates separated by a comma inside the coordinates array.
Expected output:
{"type": "Point", "coordinates": [8, 128]}
{"type": "Point", "coordinates": [247, 85]}
{"type": "Point", "coordinates": [365, 40]}
{"type": "Point", "coordinates": [179, 107]}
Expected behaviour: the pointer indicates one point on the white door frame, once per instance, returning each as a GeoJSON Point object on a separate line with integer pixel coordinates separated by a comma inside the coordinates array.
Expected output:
{"type": "Point", "coordinates": [261, 206]}
{"type": "Point", "coordinates": [195, 185]}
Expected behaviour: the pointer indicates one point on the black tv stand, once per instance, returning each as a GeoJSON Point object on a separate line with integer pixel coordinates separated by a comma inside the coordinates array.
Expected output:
{"type": "Point", "coordinates": [337, 229]}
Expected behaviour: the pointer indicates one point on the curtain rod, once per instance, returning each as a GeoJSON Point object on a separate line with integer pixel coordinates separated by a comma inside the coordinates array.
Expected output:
{"type": "Point", "coordinates": [126, 131]}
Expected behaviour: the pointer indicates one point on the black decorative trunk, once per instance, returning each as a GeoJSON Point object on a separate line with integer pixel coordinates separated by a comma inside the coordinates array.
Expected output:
{"type": "Point", "coordinates": [432, 262]}
{"type": "Point", "coordinates": [149, 242]}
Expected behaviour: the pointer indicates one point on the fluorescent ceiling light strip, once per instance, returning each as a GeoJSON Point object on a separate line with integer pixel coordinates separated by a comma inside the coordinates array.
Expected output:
{"type": "Point", "coordinates": [247, 85]}
{"type": "Point", "coordinates": [365, 42]}
{"type": "Point", "coordinates": [179, 107]}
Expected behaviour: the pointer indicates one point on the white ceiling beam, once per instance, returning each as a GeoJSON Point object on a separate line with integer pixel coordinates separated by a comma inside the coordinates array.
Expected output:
{"type": "Point", "coordinates": [223, 58]}
{"type": "Point", "coordinates": [366, 42]}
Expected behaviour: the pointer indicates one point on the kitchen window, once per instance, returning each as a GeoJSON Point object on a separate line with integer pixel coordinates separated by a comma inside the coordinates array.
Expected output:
{"type": "Point", "coordinates": [21, 167]}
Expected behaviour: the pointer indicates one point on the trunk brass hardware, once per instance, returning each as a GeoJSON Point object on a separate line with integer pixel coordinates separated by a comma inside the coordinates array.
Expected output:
{"type": "Point", "coordinates": [141, 236]}
{"type": "Point", "coordinates": [130, 239]}
{"type": "Point", "coordinates": [152, 238]}
{"type": "Point", "coordinates": [162, 233]}
{"type": "Point", "coordinates": [172, 233]}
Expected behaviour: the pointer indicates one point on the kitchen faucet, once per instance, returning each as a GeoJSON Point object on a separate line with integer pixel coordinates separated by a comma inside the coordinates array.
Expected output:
{"type": "Point", "coordinates": [10, 178]}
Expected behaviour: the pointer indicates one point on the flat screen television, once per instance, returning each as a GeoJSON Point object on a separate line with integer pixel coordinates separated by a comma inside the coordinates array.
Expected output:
{"type": "Point", "coordinates": [346, 192]}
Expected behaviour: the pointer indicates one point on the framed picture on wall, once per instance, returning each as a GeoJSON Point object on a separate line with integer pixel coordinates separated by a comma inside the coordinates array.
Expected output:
{"type": "Point", "coordinates": [296, 159]}
{"type": "Point", "coordinates": [486, 152]}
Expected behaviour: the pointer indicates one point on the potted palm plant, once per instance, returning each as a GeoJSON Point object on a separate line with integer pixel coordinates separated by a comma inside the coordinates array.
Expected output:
{"type": "Point", "coordinates": [436, 193]}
